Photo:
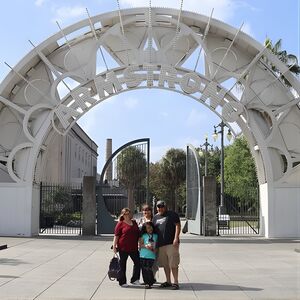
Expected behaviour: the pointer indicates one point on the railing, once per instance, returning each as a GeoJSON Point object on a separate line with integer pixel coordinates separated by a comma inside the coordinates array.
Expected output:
{"type": "Point", "coordinates": [241, 216]}
{"type": "Point", "coordinates": [60, 209]}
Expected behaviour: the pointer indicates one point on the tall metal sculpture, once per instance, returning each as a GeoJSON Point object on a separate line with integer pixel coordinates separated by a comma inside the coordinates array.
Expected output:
{"type": "Point", "coordinates": [194, 203]}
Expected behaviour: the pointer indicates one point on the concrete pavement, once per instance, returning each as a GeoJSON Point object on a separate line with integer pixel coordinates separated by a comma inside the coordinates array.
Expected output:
{"type": "Point", "coordinates": [211, 268]}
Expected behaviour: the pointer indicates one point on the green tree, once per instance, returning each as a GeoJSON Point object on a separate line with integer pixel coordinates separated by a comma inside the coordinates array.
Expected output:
{"type": "Point", "coordinates": [132, 170]}
{"type": "Point", "coordinates": [173, 174]}
{"type": "Point", "coordinates": [156, 186]}
{"type": "Point", "coordinates": [156, 183]}
{"type": "Point", "coordinates": [240, 173]}
{"type": "Point", "coordinates": [181, 198]}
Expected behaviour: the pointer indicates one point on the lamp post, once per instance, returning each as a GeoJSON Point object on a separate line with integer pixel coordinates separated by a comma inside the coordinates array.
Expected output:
{"type": "Point", "coordinates": [215, 136]}
{"type": "Point", "coordinates": [205, 145]}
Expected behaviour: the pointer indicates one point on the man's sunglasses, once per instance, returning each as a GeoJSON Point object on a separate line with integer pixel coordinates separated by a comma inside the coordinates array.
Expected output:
{"type": "Point", "coordinates": [160, 206]}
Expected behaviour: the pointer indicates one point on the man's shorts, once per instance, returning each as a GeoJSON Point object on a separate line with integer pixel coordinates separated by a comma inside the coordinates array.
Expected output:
{"type": "Point", "coordinates": [168, 256]}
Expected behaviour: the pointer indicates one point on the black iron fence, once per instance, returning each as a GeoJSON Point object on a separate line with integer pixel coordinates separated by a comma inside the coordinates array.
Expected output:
{"type": "Point", "coordinates": [240, 215]}
{"type": "Point", "coordinates": [60, 209]}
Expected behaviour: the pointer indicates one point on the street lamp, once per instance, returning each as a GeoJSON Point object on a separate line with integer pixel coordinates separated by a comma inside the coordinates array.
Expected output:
{"type": "Point", "coordinates": [205, 145]}
{"type": "Point", "coordinates": [215, 137]}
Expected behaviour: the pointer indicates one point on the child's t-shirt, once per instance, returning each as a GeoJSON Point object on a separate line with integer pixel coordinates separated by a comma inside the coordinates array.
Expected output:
{"type": "Point", "coordinates": [144, 252]}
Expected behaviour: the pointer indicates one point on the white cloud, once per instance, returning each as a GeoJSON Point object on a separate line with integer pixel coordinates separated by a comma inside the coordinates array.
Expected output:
{"type": "Point", "coordinates": [223, 9]}
{"type": "Point", "coordinates": [157, 152]}
{"type": "Point", "coordinates": [237, 92]}
{"type": "Point", "coordinates": [184, 141]}
{"type": "Point", "coordinates": [62, 88]}
{"type": "Point", "coordinates": [65, 14]}
{"type": "Point", "coordinates": [100, 69]}
{"type": "Point", "coordinates": [89, 122]}
{"type": "Point", "coordinates": [247, 29]}
{"type": "Point", "coordinates": [39, 2]}
{"type": "Point", "coordinates": [236, 130]}
{"type": "Point", "coordinates": [131, 103]}
{"type": "Point", "coordinates": [196, 118]}
{"type": "Point", "coordinates": [164, 114]}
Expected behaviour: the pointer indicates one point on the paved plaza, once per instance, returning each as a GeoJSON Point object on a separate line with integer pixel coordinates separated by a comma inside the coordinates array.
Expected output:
{"type": "Point", "coordinates": [211, 268]}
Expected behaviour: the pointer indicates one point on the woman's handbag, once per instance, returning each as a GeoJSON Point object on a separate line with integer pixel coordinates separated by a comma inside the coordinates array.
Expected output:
{"type": "Point", "coordinates": [114, 268]}
{"type": "Point", "coordinates": [185, 227]}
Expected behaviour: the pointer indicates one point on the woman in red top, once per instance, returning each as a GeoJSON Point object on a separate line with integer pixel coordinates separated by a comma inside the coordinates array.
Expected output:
{"type": "Point", "coordinates": [126, 242]}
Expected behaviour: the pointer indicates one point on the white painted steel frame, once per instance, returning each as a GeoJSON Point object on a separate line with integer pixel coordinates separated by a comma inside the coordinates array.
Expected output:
{"type": "Point", "coordinates": [267, 112]}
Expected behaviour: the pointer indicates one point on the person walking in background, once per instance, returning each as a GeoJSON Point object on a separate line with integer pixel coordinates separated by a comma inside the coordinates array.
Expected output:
{"type": "Point", "coordinates": [167, 226]}
{"type": "Point", "coordinates": [126, 242]}
{"type": "Point", "coordinates": [147, 215]}
{"type": "Point", "coordinates": [147, 245]}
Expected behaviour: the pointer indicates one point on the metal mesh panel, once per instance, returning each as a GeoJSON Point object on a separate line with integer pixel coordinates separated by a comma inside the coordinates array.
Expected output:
{"type": "Point", "coordinates": [192, 184]}
{"type": "Point", "coordinates": [115, 198]}
{"type": "Point", "coordinates": [241, 215]}
{"type": "Point", "coordinates": [125, 166]}
{"type": "Point", "coordinates": [60, 209]}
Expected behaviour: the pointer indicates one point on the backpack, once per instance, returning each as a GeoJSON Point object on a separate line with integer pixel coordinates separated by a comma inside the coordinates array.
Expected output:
{"type": "Point", "coordinates": [114, 268]}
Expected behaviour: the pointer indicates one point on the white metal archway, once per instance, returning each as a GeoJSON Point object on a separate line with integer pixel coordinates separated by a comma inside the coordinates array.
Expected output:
{"type": "Point", "coordinates": [150, 46]}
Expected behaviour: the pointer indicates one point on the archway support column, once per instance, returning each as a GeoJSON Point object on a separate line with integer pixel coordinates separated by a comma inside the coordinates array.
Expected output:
{"type": "Point", "coordinates": [89, 205]}
{"type": "Point", "coordinates": [20, 206]}
{"type": "Point", "coordinates": [280, 211]}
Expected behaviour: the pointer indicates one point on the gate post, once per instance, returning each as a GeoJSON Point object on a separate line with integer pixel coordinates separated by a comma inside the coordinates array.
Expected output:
{"type": "Point", "coordinates": [89, 205]}
{"type": "Point", "coordinates": [209, 206]}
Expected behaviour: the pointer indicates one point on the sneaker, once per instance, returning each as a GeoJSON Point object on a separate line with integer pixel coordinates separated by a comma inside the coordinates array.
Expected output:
{"type": "Point", "coordinates": [125, 285]}
{"type": "Point", "coordinates": [137, 282]}
{"type": "Point", "coordinates": [148, 286]}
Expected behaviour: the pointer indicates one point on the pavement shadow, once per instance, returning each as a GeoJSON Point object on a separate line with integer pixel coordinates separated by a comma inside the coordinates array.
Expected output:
{"type": "Point", "coordinates": [12, 261]}
{"type": "Point", "coordinates": [108, 237]}
{"type": "Point", "coordinates": [236, 240]}
{"type": "Point", "coordinates": [196, 286]}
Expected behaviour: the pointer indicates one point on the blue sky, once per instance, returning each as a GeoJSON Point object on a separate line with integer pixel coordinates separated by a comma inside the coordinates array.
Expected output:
{"type": "Point", "coordinates": [169, 119]}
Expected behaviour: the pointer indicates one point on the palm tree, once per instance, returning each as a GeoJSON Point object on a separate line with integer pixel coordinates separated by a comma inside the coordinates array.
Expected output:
{"type": "Point", "coordinates": [132, 170]}
{"type": "Point", "coordinates": [290, 60]}
{"type": "Point", "coordinates": [173, 173]}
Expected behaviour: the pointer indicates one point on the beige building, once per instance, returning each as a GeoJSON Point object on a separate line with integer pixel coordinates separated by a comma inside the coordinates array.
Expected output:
{"type": "Point", "coordinates": [68, 158]}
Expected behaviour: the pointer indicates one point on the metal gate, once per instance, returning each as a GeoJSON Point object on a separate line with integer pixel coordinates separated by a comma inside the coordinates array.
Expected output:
{"type": "Point", "coordinates": [124, 181]}
{"type": "Point", "coordinates": [60, 209]}
{"type": "Point", "coordinates": [241, 216]}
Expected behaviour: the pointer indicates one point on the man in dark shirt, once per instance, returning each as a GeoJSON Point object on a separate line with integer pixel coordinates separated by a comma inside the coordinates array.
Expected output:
{"type": "Point", "coordinates": [167, 226]}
